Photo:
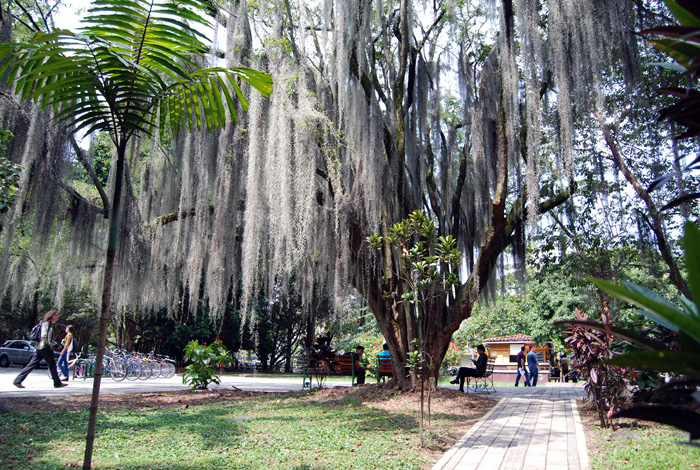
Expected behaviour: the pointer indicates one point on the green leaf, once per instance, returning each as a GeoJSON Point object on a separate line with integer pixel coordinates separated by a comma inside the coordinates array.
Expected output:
{"type": "Point", "coordinates": [691, 243]}
{"type": "Point", "coordinates": [239, 92]}
{"type": "Point", "coordinates": [662, 361]}
{"type": "Point", "coordinates": [261, 81]}
{"type": "Point", "coordinates": [229, 100]}
{"type": "Point", "coordinates": [683, 16]}
{"type": "Point", "coordinates": [219, 104]}
{"type": "Point", "coordinates": [673, 66]}
{"type": "Point", "coordinates": [653, 308]}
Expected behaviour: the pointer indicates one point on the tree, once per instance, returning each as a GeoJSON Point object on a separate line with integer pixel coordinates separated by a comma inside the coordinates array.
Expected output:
{"type": "Point", "coordinates": [428, 106]}
{"type": "Point", "coordinates": [129, 70]}
{"type": "Point", "coordinates": [280, 328]}
{"type": "Point", "coordinates": [427, 270]}
{"type": "Point", "coordinates": [418, 106]}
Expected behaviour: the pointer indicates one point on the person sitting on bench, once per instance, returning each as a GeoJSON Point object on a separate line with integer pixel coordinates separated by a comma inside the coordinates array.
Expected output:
{"type": "Point", "coordinates": [478, 371]}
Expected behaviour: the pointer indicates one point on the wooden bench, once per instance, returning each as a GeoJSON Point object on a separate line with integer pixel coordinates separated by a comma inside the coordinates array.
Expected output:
{"type": "Point", "coordinates": [342, 366]}
{"type": "Point", "coordinates": [384, 367]}
{"type": "Point", "coordinates": [484, 382]}
{"type": "Point", "coordinates": [555, 374]}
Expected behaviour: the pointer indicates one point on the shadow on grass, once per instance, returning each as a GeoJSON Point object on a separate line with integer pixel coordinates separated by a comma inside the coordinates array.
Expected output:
{"type": "Point", "coordinates": [224, 435]}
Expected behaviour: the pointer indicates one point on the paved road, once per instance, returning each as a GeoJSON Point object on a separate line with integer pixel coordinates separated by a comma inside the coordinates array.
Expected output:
{"type": "Point", "coordinates": [39, 384]}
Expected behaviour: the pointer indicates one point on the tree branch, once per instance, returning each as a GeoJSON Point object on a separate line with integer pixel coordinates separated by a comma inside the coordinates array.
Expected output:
{"type": "Point", "coordinates": [430, 29]}
{"type": "Point", "coordinates": [73, 193]}
{"type": "Point", "coordinates": [177, 215]}
{"type": "Point", "coordinates": [654, 215]}
{"type": "Point", "coordinates": [91, 173]}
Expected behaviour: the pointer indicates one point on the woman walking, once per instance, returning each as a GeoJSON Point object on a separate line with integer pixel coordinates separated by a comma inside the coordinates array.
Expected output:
{"type": "Point", "coordinates": [65, 353]}
{"type": "Point", "coordinates": [43, 351]}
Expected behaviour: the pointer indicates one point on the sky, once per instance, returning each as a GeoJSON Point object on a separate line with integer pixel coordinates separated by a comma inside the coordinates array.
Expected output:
{"type": "Point", "coordinates": [69, 14]}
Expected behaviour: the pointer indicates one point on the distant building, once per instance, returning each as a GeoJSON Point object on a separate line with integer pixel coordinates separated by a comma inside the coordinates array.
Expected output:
{"type": "Point", "coordinates": [506, 348]}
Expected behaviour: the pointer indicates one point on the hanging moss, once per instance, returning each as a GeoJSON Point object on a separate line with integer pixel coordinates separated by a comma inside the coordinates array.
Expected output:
{"type": "Point", "coordinates": [290, 187]}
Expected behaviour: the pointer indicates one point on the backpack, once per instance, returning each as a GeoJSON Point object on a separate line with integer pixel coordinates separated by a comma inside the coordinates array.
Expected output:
{"type": "Point", "coordinates": [35, 334]}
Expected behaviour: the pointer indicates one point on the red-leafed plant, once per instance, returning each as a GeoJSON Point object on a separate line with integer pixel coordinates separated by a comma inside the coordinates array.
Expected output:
{"type": "Point", "coordinates": [681, 42]}
{"type": "Point", "coordinates": [604, 383]}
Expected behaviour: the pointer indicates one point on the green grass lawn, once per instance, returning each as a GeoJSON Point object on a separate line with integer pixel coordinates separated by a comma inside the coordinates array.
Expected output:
{"type": "Point", "coordinates": [264, 432]}
{"type": "Point", "coordinates": [652, 446]}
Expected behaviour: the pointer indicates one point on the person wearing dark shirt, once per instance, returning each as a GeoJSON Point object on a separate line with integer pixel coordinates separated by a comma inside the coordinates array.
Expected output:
{"type": "Point", "coordinates": [564, 367]}
{"type": "Point", "coordinates": [532, 366]}
{"type": "Point", "coordinates": [477, 371]}
{"type": "Point", "coordinates": [522, 370]}
{"type": "Point", "coordinates": [358, 369]}
{"type": "Point", "coordinates": [44, 350]}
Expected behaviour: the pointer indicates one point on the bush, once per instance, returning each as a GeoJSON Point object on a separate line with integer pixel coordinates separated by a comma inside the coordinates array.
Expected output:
{"type": "Point", "coordinates": [605, 383]}
{"type": "Point", "coordinates": [453, 357]}
{"type": "Point", "coordinates": [205, 359]}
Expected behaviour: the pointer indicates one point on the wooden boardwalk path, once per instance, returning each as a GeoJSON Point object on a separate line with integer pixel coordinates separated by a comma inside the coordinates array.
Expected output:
{"type": "Point", "coordinates": [529, 428]}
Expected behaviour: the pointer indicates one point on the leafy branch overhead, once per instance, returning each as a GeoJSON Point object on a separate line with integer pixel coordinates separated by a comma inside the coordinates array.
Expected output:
{"type": "Point", "coordinates": [427, 261]}
{"type": "Point", "coordinates": [128, 67]}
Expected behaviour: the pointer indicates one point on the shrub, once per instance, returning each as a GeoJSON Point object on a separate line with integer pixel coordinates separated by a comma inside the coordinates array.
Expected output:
{"type": "Point", "coordinates": [683, 361]}
{"type": "Point", "coordinates": [605, 383]}
{"type": "Point", "coordinates": [453, 357]}
{"type": "Point", "coordinates": [205, 359]}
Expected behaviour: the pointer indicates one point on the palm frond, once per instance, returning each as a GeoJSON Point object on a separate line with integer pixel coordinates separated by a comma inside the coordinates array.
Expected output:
{"type": "Point", "coordinates": [131, 61]}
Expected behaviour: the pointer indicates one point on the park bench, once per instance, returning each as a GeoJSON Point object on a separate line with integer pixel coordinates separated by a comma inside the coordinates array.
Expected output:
{"type": "Point", "coordinates": [384, 367]}
{"type": "Point", "coordinates": [484, 382]}
{"type": "Point", "coordinates": [555, 374]}
{"type": "Point", "coordinates": [342, 366]}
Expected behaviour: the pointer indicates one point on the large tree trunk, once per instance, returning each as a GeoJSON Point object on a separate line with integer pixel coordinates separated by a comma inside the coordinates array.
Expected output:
{"type": "Point", "coordinates": [443, 318]}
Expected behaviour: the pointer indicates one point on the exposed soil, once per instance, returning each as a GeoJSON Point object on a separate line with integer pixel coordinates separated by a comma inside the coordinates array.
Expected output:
{"type": "Point", "coordinates": [453, 412]}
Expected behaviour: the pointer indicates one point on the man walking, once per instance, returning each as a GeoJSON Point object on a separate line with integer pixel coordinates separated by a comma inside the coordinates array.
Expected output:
{"type": "Point", "coordinates": [532, 365]}
{"type": "Point", "coordinates": [522, 371]}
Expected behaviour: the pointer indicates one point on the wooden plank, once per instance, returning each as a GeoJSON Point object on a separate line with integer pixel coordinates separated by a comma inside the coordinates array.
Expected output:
{"type": "Point", "coordinates": [385, 367]}
{"type": "Point", "coordinates": [342, 366]}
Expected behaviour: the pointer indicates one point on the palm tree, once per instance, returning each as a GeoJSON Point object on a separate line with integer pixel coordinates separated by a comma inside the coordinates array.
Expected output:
{"type": "Point", "coordinates": [130, 69]}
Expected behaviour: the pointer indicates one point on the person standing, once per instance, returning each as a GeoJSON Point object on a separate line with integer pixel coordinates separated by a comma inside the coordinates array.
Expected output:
{"type": "Point", "coordinates": [564, 367]}
{"type": "Point", "coordinates": [65, 353]}
{"type": "Point", "coordinates": [357, 368]}
{"type": "Point", "coordinates": [478, 371]}
{"type": "Point", "coordinates": [532, 365]}
{"type": "Point", "coordinates": [522, 370]}
{"type": "Point", "coordinates": [43, 351]}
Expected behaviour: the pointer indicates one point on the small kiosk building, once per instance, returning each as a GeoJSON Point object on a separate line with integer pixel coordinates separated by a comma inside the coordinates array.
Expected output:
{"type": "Point", "coordinates": [506, 348]}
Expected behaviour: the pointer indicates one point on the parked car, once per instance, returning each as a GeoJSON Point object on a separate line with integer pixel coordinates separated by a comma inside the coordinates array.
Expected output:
{"type": "Point", "coordinates": [19, 351]}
